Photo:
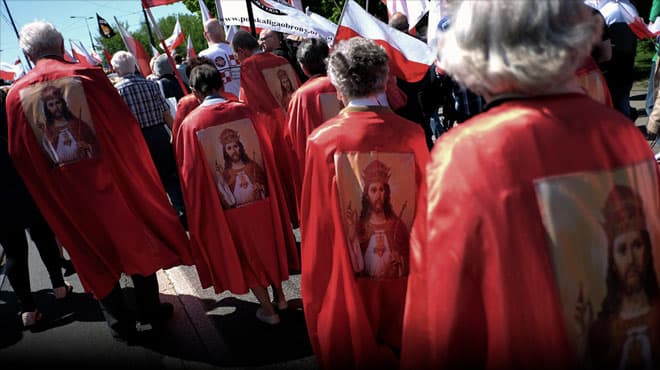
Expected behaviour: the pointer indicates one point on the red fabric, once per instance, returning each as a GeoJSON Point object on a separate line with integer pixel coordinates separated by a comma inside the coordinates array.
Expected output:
{"type": "Point", "coordinates": [395, 96]}
{"type": "Point", "coordinates": [352, 322]}
{"type": "Point", "coordinates": [152, 3]}
{"type": "Point", "coordinates": [305, 113]}
{"type": "Point", "coordinates": [482, 291]}
{"type": "Point", "coordinates": [186, 105]}
{"type": "Point", "coordinates": [111, 211]}
{"type": "Point", "coordinates": [237, 248]}
{"type": "Point", "coordinates": [257, 95]}
{"type": "Point", "coordinates": [107, 55]}
{"type": "Point", "coordinates": [592, 81]}
{"type": "Point", "coordinates": [135, 48]}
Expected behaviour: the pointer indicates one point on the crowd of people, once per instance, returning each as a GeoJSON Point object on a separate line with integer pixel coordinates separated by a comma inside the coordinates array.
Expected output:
{"type": "Point", "coordinates": [521, 232]}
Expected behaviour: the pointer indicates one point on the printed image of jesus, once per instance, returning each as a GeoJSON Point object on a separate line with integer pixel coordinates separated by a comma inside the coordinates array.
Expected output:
{"type": "Point", "coordinates": [242, 180]}
{"type": "Point", "coordinates": [378, 240]}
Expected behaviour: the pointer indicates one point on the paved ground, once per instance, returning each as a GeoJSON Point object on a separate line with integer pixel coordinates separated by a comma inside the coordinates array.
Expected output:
{"type": "Point", "coordinates": [208, 330]}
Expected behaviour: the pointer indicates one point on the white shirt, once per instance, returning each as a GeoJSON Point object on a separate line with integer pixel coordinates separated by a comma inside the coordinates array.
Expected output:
{"type": "Point", "coordinates": [227, 64]}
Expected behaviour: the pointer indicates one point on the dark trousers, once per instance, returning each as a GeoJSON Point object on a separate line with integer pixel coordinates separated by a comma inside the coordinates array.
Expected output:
{"type": "Point", "coordinates": [160, 148]}
{"type": "Point", "coordinates": [15, 244]}
{"type": "Point", "coordinates": [119, 314]}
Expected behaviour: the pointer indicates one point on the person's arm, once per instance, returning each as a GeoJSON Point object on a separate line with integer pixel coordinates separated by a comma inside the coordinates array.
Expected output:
{"type": "Point", "coordinates": [167, 117]}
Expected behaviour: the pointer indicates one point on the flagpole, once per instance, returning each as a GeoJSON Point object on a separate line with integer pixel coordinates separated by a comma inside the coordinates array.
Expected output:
{"type": "Point", "coordinates": [13, 24]}
{"type": "Point", "coordinates": [253, 28]}
{"type": "Point", "coordinates": [167, 51]}
{"type": "Point", "coordinates": [146, 20]}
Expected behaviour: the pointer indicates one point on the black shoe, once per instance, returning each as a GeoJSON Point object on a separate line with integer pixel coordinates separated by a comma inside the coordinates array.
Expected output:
{"type": "Point", "coordinates": [128, 336]}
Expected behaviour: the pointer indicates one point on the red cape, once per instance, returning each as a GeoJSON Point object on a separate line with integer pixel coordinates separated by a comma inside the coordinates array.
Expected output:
{"type": "Point", "coordinates": [236, 248]}
{"type": "Point", "coordinates": [260, 90]}
{"type": "Point", "coordinates": [312, 104]}
{"type": "Point", "coordinates": [111, 211]}
{"type": "Point", "coordinates": [482, 291]}
{"type": "Point", "coordinates": [352, 322]}
{"type": "Point", "coordinates": [592, 81]}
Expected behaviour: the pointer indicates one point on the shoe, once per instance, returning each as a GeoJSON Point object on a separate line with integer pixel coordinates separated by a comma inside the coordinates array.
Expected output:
{"type": "Point", "coordinates": [126, 335]}
{"type": "Point", "coordinates": [63, 291]}
{"type": "Point", "coordinates": [30, 319]}
{"type": "Point", "coordinates": [268, 319]}
{"type": "Point", "coordinates": [280, 306]}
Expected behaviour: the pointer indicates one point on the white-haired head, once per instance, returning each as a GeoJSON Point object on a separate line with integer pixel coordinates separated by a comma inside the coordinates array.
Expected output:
{"type": "Point", "coordinates": [512, 46]}
{"type": "Point", "coordinates": [123, 63]}
{"type": "Point", "coordinates": [358, 68]}
{"type": "Point", "coordinates": [39, 39]}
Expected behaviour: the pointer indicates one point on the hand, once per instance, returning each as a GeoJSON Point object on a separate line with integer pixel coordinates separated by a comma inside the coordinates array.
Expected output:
{"type": "Point", "coordinates": [351, 219]}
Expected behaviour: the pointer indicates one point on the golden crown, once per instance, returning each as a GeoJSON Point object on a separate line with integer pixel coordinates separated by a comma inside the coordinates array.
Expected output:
{"type": "Point", "coordinates": [376, 171]}
{"type": "Point", "coordinates": [228, 136]}
{"type": "Point", "coordinates": [623, 211]}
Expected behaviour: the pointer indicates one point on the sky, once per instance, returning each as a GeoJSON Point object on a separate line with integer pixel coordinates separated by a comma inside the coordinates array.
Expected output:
{"type": "Point", "coordinates": [59, 12]}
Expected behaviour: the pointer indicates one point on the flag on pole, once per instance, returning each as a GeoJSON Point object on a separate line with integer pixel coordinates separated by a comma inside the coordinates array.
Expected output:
{"type": "Point", "coordinates": [414, 10]}
{"type": "Point", "coordinates": [206, 15]}
{"type": "Point", "coordinates": [176, 38]}
{"type": "Point", "coordinates": [190, 49]}
{"type": "Point", "coordinates": [82, 55]}
{"type": "Point", "coordinates": [152, 3]}
{"type": "Point", "coordinates": [104, 27]}
{"type": "Point", "coordinates": [410, 58]}
{"type": "Point", "coordinates": [322, 23]}
{"type": "Point", "coordinates": [154, 51]}
{"type": "Point", "coordinates": [68, 57]}
{"type": "Point", "coordinates": [7, 71]}
{"type": "Point", "coordinates": [107, 55]}
{"type": "Point", "coordinates": [135, 48]}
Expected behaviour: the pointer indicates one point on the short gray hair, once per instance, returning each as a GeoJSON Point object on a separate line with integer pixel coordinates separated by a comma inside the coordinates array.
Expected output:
{"type": "Point", "coordinates": [39, 39]}
{"type": "Point", "coordinates": [524, 47]}
{"type": "Point", "coordinates": [358, 68]}
{"type": "Point", "coordinates": [123, 62]}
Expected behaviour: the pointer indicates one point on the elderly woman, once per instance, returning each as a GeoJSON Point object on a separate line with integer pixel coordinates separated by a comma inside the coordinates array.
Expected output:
{"type": "Point", "coordinates": [496, 281]}
{"type": "Point", "coordinates": [362, 174]}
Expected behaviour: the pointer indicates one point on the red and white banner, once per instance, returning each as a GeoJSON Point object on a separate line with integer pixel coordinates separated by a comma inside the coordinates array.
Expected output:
{"type": "Point", "coordinates": [273, 15]}
{"type": "Point", "coordinates": [323, 23]}
{"type": "Point", "coordinates": [410, 58]}
{"type": "Point", "coordinates": [206, 15]}
{"type": "Point", "coordinates": [152, 3]}
{"type": "Point", "coordinates": [190, 49]}
{"type": "Point", "coordinates": [414, 10]}
{"type": "Point", "coordinates": [176, 38]}
{"type": "Point", "coordinates": [82, 55]}
{"type": "Point", "coordinates": [135, 48]}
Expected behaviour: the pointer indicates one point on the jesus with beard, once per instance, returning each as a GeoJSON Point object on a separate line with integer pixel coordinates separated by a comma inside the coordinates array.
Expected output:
{"type": "Point", "coordinates": [245, 178]}
{"type": "Point", "coordinates": [626, 334]}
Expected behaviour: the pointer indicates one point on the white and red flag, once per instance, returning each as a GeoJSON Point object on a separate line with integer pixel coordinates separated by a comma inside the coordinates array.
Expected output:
{"type": "Point", "coordinates": [176, 38]}
{"type": "Point", "coordinates": [414, 10]}
{"type": "Point", "coordinates": [68, 57]}
{"type": "Point", "coordinates": [410, 58]}
{"type": "Point", "coordinates": [152, 3]}
{"type": "Point", "coordinates": [82, 55]}
{"type": "Point", "coordinates": [7, 70]}
{"type": "Point", "coordinates": [206, 15]}
{"type": "Point", "coordinates": [190, 49]}
{"type": "Point", "coordinates": [135, 48]}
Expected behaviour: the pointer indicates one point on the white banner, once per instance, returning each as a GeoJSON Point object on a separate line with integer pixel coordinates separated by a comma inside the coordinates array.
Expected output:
{"type": "Point", "coordinates": [272, 15]}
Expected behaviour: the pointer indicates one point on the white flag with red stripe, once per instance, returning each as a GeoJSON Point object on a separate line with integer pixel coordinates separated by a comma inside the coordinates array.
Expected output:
{"type": "Point", "coordinates": [190, 49]}
{"type": "Point", "coordinates": [414, 10]}
{"type": "Point", "coordinates": [7, 71]}
{"type": "Point", "coordinates": [177, 37]}
{"type": "Point", "coordinates": [135, 48]}
{"type": "Point", "coordinates": [410, 58]}
{"type": "Point", "coordinates": [82, 55]}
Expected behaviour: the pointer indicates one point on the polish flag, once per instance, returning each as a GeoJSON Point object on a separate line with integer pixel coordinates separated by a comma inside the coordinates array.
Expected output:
{"type": "Point", "coordinates": [206, 15]}
{"type": "Point", "coordinates": [81, 54]}
{"type": "Point", "coordinates": [410, 58]}
{"type": "Point", "coordinates": [68, 57]}
{"type": "Point", "coordinates": [191, 49]}
{"type": "Point", "coordinates": [152, 3]}
{"type": "Point", "coordinates": [135, 48]}
{"type": "Point", "coordinates": [414, 10]}
{"type": "Point", "coordinates": [7, 71]}
{"type": "Point", "coordinates": [177, 37]}
{"type": "Point", "coordinates": [154, 51]}
{"type": "Point", "coordinates": [107, 55]}
{"type": "Point", "coordinates": [637, 25]}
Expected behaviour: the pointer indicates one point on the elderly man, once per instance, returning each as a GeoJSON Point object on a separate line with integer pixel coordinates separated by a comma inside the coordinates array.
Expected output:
{"type": "Point", "coordinates": [239, 228]}
{"type": "Point", "coordinates": [108, 208]}
{"type": "Point", "coordinates": [363, 171]}
{"type": "Point", "coordinates": [148, 105]}
{"type": "Point", "coordinates": [509, 237]}
{"type": "Point", "coordinates": [220, 52]}
{"type": "Point", "coordinates": [274, 42]}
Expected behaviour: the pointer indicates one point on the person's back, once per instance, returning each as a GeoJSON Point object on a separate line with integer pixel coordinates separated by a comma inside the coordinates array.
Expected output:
{"type": "Point", "coordinates": [220, 52]}
{"type": "Point", "coordinates": [363, 171]}
{"type": "Point", "coordinates": [513, 242]}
